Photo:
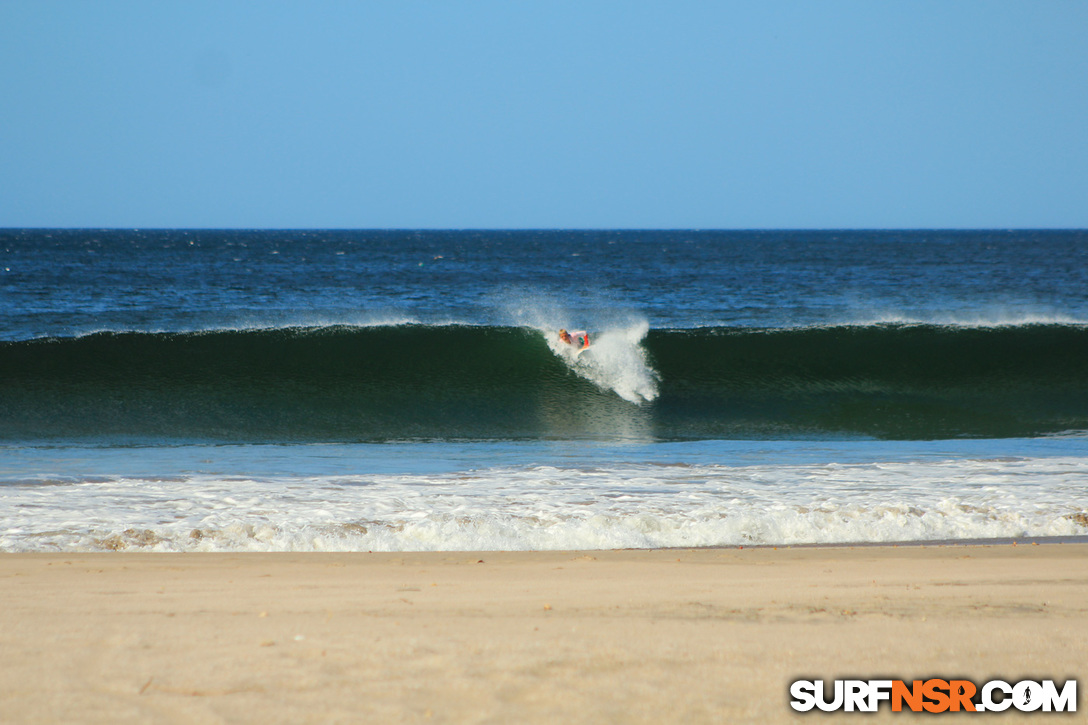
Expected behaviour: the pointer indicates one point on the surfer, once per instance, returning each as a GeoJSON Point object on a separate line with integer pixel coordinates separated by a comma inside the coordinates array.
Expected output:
{"type": "Point", "coordinates": [581, 339]}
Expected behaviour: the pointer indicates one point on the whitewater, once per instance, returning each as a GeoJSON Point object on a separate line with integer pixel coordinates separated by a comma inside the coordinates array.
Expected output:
{"type": "Point", "coordinates": [590, 497]}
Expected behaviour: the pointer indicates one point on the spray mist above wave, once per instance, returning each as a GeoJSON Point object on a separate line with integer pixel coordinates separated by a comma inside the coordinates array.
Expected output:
{"type": "Point", "coordinates": [990, 315]}
{"type": "Point", "coordinates": [230, 324]}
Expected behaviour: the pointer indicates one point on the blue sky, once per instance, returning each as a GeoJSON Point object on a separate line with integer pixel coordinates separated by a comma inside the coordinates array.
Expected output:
{"type": "Point", "coordinates": [403, 114]}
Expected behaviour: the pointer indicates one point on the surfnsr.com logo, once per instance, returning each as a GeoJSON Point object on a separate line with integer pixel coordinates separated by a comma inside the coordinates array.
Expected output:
{"type": "Point", "coordinates": [934, 695]}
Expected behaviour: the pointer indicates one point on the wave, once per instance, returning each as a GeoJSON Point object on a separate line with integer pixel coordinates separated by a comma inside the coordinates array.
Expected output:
{"type": "Point", "coordinates": [396, 382]}
{"type": "Point", "coordinates": [624, 505]}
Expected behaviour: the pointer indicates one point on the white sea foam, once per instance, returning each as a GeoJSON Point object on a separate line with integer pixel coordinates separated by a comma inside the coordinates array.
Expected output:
{"type": "Point", "coordinates": [614, 361]}
{"type": "Point", "coordinates": [553, 507]}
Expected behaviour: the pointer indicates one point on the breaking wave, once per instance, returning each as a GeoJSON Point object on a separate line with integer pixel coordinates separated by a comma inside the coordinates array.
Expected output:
{"type": "Point", "coordinates": [395, 382]}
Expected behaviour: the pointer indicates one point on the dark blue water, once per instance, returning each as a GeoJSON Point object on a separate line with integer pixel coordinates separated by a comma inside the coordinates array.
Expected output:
{"type": "Point", "coordinates": [59, 283]}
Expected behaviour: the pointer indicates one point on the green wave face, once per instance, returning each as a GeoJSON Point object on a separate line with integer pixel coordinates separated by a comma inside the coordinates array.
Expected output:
{"type": "Point", "coordinates": [424, 382]}
{"type": "Point", "coordinates": [894, 381]}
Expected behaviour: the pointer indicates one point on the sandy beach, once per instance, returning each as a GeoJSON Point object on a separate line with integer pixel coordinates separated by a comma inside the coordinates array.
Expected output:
{"type": "Point", "coordinates": [709, 635]}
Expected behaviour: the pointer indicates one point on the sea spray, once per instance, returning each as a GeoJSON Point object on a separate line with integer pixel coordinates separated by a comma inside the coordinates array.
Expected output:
{"type": "Point", "coordinates": [614, 361]}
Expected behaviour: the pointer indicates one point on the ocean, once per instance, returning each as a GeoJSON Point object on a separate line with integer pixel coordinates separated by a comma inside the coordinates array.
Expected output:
{"type": "Point", "coordinates": [173, 390]}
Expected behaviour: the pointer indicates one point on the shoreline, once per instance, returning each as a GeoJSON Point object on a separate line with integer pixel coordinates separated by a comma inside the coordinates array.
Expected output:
{"type": "Point", "coordinates": [998, 541]}
{"type": "Point", "coordinates": [660, 635]}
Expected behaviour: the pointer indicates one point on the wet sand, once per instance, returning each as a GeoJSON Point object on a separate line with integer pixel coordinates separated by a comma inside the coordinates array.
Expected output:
{"type": "Point", "coordinates": [710, 635]}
